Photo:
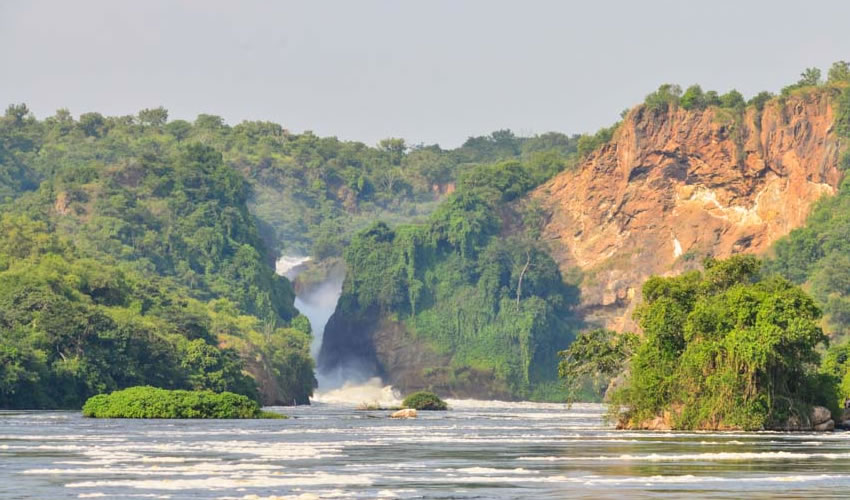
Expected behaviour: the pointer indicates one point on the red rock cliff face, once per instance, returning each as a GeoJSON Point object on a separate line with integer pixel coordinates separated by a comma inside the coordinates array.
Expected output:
{"type": "Point", "coordinates": [675, 186]}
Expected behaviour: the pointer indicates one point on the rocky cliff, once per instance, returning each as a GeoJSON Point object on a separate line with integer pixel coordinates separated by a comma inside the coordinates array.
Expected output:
{"type": "Point", "coordinates": [674, 186]}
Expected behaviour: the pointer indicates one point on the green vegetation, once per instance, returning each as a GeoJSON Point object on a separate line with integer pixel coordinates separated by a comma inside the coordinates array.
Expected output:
{"type": "Point", "coordinates": [666, 96]}
{"type": "Point", "coordinates": [818, 254]}
{"type": "Point", "coordinates": [670, 95]}
{"type": "Point", "coordinates": [725, 348]}
{"type": "Point", "coordinates": [592, 360]}
{"type": "Point", "coordinates": [494, 303]}
{"type": "Point", "coordinates": [129, 257]}
{"type": "Point", "coordinates": [313, 193]}
{"type": "Point", "coordinates": [590, 143]}
{"type": "Point", "coordinates": [424, 400]}
{"type": "Point", "coordinates": [150, 402]}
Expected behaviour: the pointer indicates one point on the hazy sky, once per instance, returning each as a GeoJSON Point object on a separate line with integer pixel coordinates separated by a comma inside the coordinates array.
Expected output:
{"type": "Point", "coordinates": [435, 71]}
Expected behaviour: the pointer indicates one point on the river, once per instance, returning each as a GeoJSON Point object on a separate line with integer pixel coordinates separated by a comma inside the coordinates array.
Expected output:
{"type": "Point", "coordinates": [477, 450]}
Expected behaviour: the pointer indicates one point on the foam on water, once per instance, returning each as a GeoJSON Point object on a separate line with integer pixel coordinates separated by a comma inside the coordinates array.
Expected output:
{"type": "Point", "coordinates": [656, 457]}
{"type": "Point", "coordinates": [373, 391]}
{"type": "Point", "coordinates": [286, 264]}
{"type": "Point", "coordinates": [479, 449]}
{"type": "Point", "coordinates": [242, 481]}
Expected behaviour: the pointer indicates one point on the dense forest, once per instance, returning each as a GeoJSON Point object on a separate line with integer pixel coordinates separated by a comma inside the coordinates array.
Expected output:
{"type": "Point", "coordinates": [129, 257]}
{"type": "Point", "coordinates": [311, 194]}
{"type": "Point", "coordinates": [466, 286]}
{"type": "Point", "coordinates": [137, 250]}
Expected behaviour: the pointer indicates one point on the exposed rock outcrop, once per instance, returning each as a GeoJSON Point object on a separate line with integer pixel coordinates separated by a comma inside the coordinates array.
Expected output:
{"type": "Point", "coordinates": [405, 413]}
{"type": "Point", "coordinates": [674, 186]}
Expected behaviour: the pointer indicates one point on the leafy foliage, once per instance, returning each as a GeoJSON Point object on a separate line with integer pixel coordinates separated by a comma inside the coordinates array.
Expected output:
{"type": "Point", "coordinates": [725, 349]}
{"type": "Point", "coordinates": [314, 193]}
{"type": "Point", "coordinates": [590, 143]}
{"type": "Point", "coordinates": [129, 257]}
{"type": "Point", "coordinates": [424, 400]}
{"type": "Point", "coordinates": [493, 303]}
{"type": "Point", "coordinates": [595, 356]}
{"type": "Point", "coordinates": [818, 254]}
{"type": "Point", "coordinates": [151, 402]}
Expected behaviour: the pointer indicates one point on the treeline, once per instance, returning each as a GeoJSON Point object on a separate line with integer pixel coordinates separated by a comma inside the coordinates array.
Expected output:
{"type": "Point", "coordinates": [313, 192]}
{"type": "Point", "coordinates": [695, 98]}
{"type": "Point", "coordinates": [307, 190]}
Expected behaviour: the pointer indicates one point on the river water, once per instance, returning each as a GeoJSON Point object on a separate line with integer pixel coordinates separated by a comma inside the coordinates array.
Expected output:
{"type": "Point", "coordinates": [477, 450]}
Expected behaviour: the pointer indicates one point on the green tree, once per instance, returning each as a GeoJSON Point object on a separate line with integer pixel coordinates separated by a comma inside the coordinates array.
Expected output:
{"type": "Point", "coordinates": [760, 99]}
{"type": "Point", "coordinates": [839, 72]}
{"type": "Point", "coordinates": [596, 356]}
{"type": "Point", "coordinates": [809, 77]}
{"type": "Point", "coordinates": [732, 99]}
{"type": "Point", "coordinates": [667, 95]}
{"type": "Point", "coordinates": [693, 98]}
{"type": "Point", "coordinates": [92, 124]}
{"type": "Point", "coordinates": [155, 117]}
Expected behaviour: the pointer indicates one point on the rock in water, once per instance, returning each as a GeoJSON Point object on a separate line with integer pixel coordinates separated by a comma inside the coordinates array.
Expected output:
{"type": "Point", "coordinates": [820, 415]}
{"type": "Point", "coordinates": [406, 413]}
{"type": "Point", "coordinates": [829, 425]}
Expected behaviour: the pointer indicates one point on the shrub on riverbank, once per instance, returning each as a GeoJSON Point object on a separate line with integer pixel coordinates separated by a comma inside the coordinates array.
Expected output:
{"type": "Point", "coordinates": [151, 402]}
{"type": "Point", "coordinates": [424, 400]}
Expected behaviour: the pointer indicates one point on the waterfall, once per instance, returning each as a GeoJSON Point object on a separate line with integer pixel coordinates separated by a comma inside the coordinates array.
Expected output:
{"type": "Point", "coordinates": [317, 302]}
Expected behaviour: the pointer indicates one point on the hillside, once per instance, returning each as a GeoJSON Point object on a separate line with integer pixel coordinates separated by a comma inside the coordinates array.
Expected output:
{"type": "Point", "coordinates": [129, 258]}
{"type": "Point", "coordinates": [165, 231]}
{"type": "Point", "coordinates": [464, 304]}
{"type": "Point", "coordinates": [675, 185]}
{"type": "Point", "coordinates": [683, 177]}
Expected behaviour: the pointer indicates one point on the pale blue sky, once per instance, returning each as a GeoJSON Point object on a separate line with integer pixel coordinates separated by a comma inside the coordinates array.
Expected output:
{"type": "Point", "coordinates": [436, 71]}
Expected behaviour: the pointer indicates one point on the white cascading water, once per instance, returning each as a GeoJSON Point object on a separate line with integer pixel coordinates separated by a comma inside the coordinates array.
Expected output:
{"type": "Point", "coordinates": [346, 386]}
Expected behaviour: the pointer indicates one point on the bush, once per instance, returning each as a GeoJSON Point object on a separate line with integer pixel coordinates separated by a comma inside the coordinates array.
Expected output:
{"type": "Point", "coordinates": [151, 402]}
{"type": "Point", "coordinates": [424, 400]}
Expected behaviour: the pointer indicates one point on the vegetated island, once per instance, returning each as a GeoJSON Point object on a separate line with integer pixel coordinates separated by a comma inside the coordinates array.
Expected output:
{"type": "Point", "coordinates": [424, 400]}
{"type": "Point", "coordinates": [731, 348]}
{"type": "Point", "coordinates": [151, 402]}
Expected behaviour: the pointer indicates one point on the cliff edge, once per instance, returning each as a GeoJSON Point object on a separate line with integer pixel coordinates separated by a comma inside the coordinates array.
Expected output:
{"type": "Point", "coordinates": [673, 186]}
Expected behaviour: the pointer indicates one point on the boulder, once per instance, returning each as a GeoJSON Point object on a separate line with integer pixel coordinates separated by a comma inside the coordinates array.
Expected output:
{"type": "Point", "coordinates": [829, 425]}
{"type": "Point", "coordinates": [820, 415]}
{"type": "Point", "coordinates": [406, 413]}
